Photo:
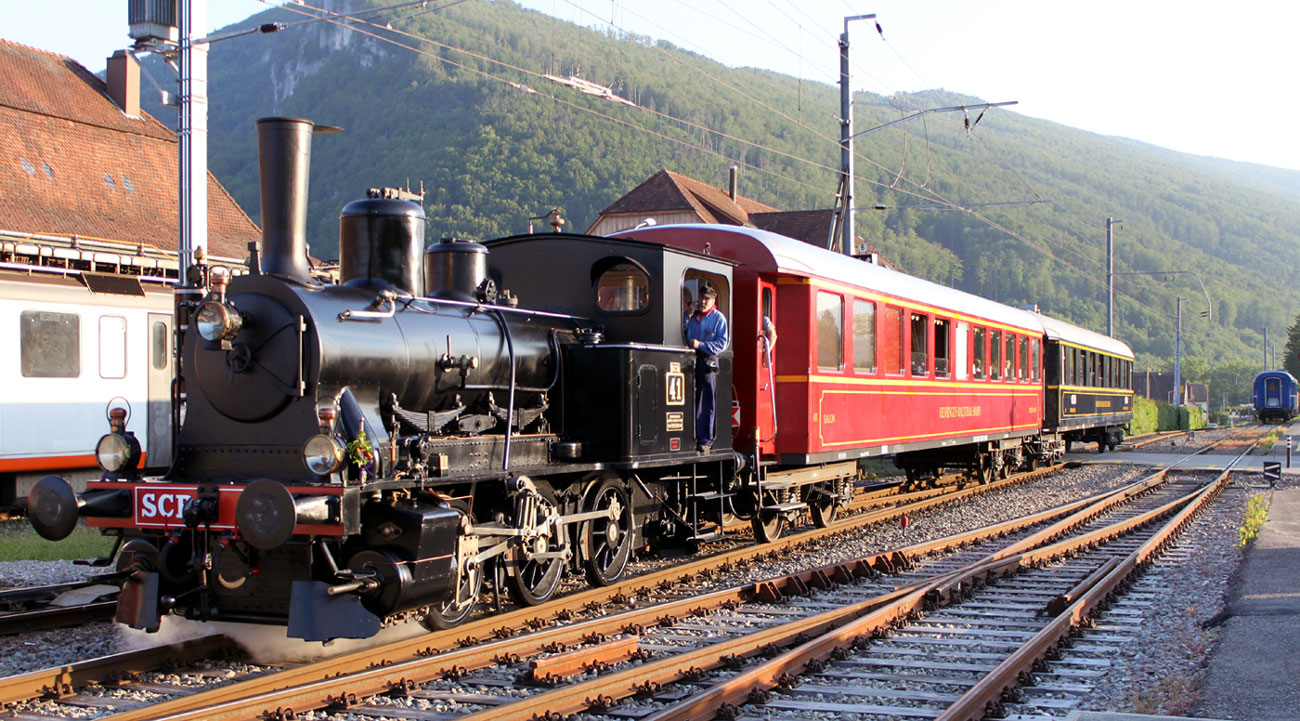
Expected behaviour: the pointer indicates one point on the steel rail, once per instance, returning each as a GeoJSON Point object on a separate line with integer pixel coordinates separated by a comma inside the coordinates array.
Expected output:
{"type": "Point", "coordinates": [1156, 438]}
{"type": "Point", "coordinates": [62, 680]}
{"type": "Point", "coordinates": [976, 701]}
{"type": "Point", "coordinates": [738, 689]}
{"type": "Point", "coordinates": [429, 657]}
{"type": "Point", "coordinates": [42, 619]}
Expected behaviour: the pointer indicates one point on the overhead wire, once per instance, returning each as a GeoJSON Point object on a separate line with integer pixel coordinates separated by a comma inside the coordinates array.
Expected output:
{"type": "Point", "coordinates": [326, 15]}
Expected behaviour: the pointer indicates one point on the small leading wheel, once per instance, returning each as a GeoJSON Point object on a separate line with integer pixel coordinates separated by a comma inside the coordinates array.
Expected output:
{"type": "Point", "coordinates": [823, 508]}
{"type": "Point", "coordinates": [455, 610]}
{"type": "Point", "coordinates": [608, 541]}
{"type": "Point", "coordinates": [532, 578]}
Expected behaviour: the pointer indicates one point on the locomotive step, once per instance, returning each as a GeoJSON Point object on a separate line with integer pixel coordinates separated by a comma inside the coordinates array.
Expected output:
{"type": "Point", "coordinates": [714, 496]}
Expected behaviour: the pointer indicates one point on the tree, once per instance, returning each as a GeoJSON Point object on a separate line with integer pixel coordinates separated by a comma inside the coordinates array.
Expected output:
{"type": "Point", "coordinates": [1292, 355]}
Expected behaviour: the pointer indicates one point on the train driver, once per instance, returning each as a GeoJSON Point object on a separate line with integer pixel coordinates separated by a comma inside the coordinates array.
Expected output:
{"type": "Point", "coordinates": [706, 332]}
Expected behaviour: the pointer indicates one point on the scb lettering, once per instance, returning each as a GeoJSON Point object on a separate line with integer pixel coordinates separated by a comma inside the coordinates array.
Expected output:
{"type": "Point", "coordinates": [164, 505]}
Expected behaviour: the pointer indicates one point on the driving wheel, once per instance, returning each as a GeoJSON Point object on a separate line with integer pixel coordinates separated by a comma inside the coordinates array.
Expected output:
{"type": "Point", "coordinates": [608, 541]}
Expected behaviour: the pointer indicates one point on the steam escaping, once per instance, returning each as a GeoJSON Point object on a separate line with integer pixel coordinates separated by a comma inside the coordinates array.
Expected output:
{"type": "Point", "coordinates": [264, 644]}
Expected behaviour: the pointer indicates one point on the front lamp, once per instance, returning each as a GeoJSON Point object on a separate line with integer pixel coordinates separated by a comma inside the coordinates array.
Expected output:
{"type": "Point", "coordinates": [117, 452]}
{"type": "Point", "coordinates": [217, 321]}
{"type": "Point", "coordinates": [323, 454]}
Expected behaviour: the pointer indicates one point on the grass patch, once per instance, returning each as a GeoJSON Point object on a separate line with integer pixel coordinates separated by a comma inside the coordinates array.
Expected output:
{"type": "Point", "coordinates": [1266, 443]}
{"type": "Point", "coordinates": [1252, 520]}
{"type": "Point", "coordinates": [18, 542]}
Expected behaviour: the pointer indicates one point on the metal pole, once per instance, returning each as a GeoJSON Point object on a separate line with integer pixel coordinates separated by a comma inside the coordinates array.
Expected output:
{"type": "Point", "coordinates": [1266, 365]}
{"type": "Point", "coordinates": [1178, 357]}
{"type": "Point", "coordinates": [1110, 275]}
{"type": "Point", "coordinates": [848, 234]}
{"type": "Point", "coordinates": [193, 133]}
{"type": "Point", "coordinates": [846, 145]}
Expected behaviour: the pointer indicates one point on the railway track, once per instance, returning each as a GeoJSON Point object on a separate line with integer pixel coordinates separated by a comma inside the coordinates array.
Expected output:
{"type": "Point", "coordinates": [482, 670]}
{"type": "Point", "coordinates": [39, 608]}
{"type": "Point", "coordinates": [879, 506]}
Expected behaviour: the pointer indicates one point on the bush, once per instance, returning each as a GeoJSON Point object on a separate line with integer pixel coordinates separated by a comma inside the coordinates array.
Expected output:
{"type": "Point", "coordinates": [1146, 416]}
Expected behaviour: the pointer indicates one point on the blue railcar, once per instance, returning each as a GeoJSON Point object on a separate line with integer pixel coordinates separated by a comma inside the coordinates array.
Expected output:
{"type": "Point", "coordinates": [1275, 396]}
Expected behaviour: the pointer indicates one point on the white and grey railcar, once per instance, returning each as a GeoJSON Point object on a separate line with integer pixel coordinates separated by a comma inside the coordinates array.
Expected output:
{"type": "Point", "coordinates": [76, 343]}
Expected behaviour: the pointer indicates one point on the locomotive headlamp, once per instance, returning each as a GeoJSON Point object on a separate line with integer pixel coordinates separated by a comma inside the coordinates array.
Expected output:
{"type": "Point", "coordinates": [117, 452]}
{"type": "Point", "coordinates": [323, 454]}
{"type": "Point", "coordinates": [218, 321]}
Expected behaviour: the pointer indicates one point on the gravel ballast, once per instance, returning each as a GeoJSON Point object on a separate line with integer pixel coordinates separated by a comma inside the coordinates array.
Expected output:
{"type": "Point", "coordinates": [1156, 674]}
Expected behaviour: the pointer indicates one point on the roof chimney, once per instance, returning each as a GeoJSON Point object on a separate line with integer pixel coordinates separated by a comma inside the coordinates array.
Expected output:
{"type": "Point", "coordinates": [732, 178]}
{"type": "Point", "coordinates": [124, 82]}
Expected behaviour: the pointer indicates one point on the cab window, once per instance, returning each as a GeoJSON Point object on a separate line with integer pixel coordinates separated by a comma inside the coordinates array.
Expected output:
{"type": "Point", "coordinates": [693, 283]}
{"type": "Point", "coordinates": [623, 289]}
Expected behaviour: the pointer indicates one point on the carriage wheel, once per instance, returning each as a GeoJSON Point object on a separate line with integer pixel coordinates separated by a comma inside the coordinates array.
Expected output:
{"type": "Point", "coordinates": [608, 541]}
{"type": "Point", "coordinates": [823, 507]}
{"type": "Point", "coordinates": [532, 581]}
{"type": "Point", "coordinates": [768, 526]}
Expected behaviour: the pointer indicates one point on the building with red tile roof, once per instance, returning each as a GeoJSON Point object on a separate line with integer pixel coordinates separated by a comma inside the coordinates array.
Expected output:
{"type": "Point", "coordinates": [670, 198]}
{"type": "Point", "coordinates": [75, 165]}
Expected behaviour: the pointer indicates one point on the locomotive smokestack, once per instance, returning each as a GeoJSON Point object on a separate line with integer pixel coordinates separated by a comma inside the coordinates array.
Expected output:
{"type": "Point", "coordinates": [284, 162]}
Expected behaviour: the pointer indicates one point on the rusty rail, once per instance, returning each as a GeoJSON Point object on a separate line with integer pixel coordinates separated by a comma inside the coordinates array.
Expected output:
{"type": "Point", "coordinates": [433, 656]}
{"type": "Point", "coordinates": [813, 653]}
{"type": "Point", "coordinates": [62, 680]}
{"type": "Point", "coordinates": [976, 701]}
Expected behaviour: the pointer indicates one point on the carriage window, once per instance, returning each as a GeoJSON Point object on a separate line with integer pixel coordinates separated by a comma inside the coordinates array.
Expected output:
{"type": "Point", "coordinates": [995, 355]}
{"type": "Point", "coordinates": [112, 346]}
{"type": "Point", "coordinates": [158, 346]}
{"type": "Point", "coordinates": [892, 339]}
{"type": "Point", "coordinates": [624, 288]}
{"type": "Point", "coordinates": [979, 352]}
{"type": "Point", "coordinates": [864, 336]}
{"type": "Point", "coordinates": [830, 331]}
{"type": "Point", "coordinates": [1024, 358]}
{"type": "Point", "coordinates": [941, 347]}
{"type": "Point", "coordinates": [50, 344]}
{"type": "Point", "coordinates": [1009, 360]}
{"type": "Point", "coordinates": [1092, 369]}
{"type": "Point", "coordinates": [1033, 360]}
{"type": "Point", "coordinates": [920, 353]}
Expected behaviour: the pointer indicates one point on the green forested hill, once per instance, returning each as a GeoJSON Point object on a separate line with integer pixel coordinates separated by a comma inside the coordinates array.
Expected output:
{"type": "Point", "coordinates": [491, 154]}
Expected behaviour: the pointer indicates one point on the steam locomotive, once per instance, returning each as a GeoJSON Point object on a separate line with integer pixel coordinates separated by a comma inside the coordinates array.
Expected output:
{"type": "Point", "coordinates": [511, 412]}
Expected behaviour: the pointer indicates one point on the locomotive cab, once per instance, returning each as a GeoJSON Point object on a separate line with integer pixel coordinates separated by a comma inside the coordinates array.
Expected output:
{"type": "Point", "coordinates": [632, 393]}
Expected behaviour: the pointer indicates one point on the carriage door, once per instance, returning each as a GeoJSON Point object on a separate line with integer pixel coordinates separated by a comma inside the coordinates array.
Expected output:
{"type": "Point", "coordinates": [1272, 392]}
{"type": "Point", "coordinates": [765, 399]}
{"type": "Point", "coordinates": [158, 446]}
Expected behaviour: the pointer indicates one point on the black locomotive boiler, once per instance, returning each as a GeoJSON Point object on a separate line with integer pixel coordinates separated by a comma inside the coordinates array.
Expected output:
{"type": "Point", "coordinates": [357, 452]}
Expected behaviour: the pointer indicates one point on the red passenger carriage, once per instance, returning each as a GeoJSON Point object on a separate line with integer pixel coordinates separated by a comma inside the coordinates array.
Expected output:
{"type": "Point", "coordinates": [870, 361]}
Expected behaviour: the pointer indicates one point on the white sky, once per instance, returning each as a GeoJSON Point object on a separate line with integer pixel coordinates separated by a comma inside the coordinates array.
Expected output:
{"type": "Point", "coordinates": [1189, 75]}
